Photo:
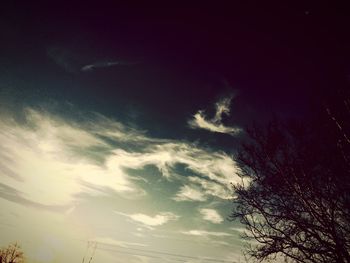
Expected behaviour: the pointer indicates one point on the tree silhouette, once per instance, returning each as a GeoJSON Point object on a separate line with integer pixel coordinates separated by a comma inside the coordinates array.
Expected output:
{"type": "Point", "coordinates": [297, 202]}
{"type": "Point", "coordinates": [11, 254]}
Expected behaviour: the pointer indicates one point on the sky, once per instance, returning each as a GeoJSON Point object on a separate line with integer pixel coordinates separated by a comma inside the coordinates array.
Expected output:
{"type": "Point", "coordinates": [119, 124]}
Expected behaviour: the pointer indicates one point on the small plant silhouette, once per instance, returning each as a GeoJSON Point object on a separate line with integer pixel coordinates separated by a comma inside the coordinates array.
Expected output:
{"type": "Point", "coordinates": [11, 254]}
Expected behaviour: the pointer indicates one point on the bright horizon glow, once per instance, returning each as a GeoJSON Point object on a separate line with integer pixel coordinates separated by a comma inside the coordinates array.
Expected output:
{"type": "Point", "coordinates": [71, 183]}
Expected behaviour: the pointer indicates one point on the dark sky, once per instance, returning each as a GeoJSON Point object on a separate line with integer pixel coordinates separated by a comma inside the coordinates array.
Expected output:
{"type": "Point", "coordinates": [277, 58]}
{"type": "Point", "coordinates": [269, 49]}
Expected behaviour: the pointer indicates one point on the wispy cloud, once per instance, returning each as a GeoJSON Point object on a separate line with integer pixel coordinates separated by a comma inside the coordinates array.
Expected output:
{"type": "Point", "coordinates": [151, 221]}
{"type": "Point", "coordinates": [188, 193]}
{"type": "Point", "coordinates": [211, 215]}
{"type": "Point", "coordinates": [63, 58]}
{"type": "Point", "coordinates": [222, 107]}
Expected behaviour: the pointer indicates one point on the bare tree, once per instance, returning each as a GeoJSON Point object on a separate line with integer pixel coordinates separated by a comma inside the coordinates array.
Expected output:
{"type": "Point", "coordinates": [297, 202]}
{"type": "Point", "coordinates": [11, 254]}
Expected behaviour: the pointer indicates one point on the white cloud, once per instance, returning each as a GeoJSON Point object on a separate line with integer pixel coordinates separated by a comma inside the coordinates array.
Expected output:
{"type": "Point", "coordinates": [187, 193]}
{"type": "Point", "coordinates": [211, 215]}
{"type": "Point", "coordinates": [205, 233]}
{"type": "Point", "coordinates": [50, 160]}
{"type": "Point", "coordinates": [151, 221]}
{"type": "Point", "coordinates": [219, 168]}
{"type": "Point", "coordinates": [222, 107]}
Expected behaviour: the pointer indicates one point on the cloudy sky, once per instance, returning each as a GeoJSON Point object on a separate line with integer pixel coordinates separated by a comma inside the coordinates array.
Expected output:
{"type": "Point", "coordinates": [119, 125]}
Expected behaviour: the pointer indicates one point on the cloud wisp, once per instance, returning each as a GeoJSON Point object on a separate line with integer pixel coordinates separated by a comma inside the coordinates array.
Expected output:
{"type": "Point", "coordinates": [63, 58]}
{"type": "Point", "coordinates": [151, 221]}
{"type": "Point", "coordinates": [211, 215]}
{"type": "Point", "coordinates": [201, 121]}
{"type": "Point", "coordinates": [188, 193]}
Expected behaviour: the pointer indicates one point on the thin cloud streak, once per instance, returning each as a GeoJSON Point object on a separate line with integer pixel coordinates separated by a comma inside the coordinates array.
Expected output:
{"type": "Point", "coordinates": [107, 64]}
{"type": "Point", "coordinates": [206, 233]}
{"type": "Point", "coordinates": [75, 62]}
{"type": "Point", "coordinates": [113, 242]}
